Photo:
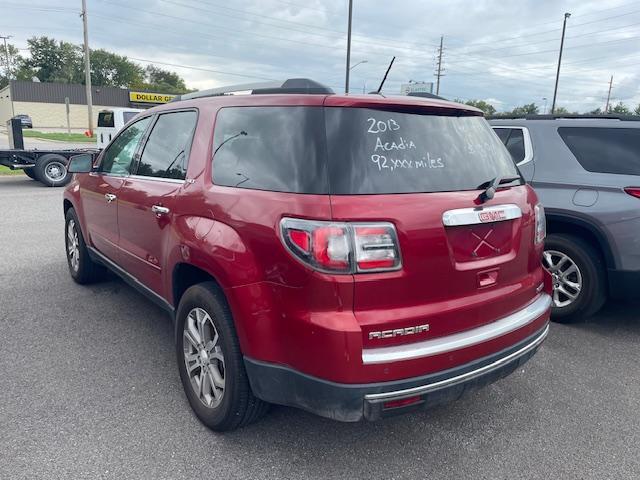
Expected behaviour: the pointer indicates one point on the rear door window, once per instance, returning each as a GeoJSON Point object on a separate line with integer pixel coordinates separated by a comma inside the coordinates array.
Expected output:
{"type": "Point", "coordinates": [271, 148]}
{"type": "Point", "coordinates": [503, 134]}
{"type": "Point", "coordinates": [166, 152]}
{"type": "Point", "coordinates": [604, 150]}
{"type": "Point", "coordinates": [515, 145]}
{"type": "Point", "coordinates": [380, 152]}
{"type": "Point", "coordinates": [513, 139]}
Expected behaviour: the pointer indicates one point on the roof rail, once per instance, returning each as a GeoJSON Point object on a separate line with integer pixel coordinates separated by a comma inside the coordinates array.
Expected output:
{"type": "Point", "coordinates": [425, 95]}
{"type": "Point", "coordinates": [292, 85]}
{"type": "Point", "coordinates": [611, 116]}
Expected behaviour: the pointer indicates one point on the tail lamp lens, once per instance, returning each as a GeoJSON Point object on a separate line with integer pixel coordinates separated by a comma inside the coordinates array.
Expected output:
{"type": "Point", "coordinates": [342, 247]}
{"type": "Point", "coordinates": [633, 191]}
{"type": "Point", "coordinates": [331, 247]}
{"type": "Point", "coordinates": [376, 247]}
{"type": "Point", "coordinates": [541, 224]}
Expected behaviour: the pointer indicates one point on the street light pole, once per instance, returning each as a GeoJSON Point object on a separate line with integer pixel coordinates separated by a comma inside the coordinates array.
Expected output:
{"type": "Point", "coordinates": [87, 66]}
{"type": "Point", "coordinates": [359, 63]}
{"type": "Point", "coordinates": [346, 82]}
{"type": "Point", "coordinates": [544, 111]}
{"type": "Point", "coordinates": [555, 90]}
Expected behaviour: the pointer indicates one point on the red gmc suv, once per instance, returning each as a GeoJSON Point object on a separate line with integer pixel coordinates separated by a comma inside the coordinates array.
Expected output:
{"type": "Point", "coordinates": [353, 256]}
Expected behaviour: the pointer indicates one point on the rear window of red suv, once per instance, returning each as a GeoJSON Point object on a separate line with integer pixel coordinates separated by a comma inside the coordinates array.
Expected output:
{"type": "Point", "coordinates": [347, 151]}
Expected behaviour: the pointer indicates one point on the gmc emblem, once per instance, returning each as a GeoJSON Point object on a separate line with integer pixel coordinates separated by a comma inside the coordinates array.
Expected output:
{"type": "Point", "coordinates": [399, 332]}
{"type": "Point", "coordinates": [492, 216]}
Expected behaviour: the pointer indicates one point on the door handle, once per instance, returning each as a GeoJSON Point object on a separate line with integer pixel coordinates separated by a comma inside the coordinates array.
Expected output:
{"type": "Point", "coordinates": [109, 197]}
{"type": "Point", "coordinates": [159, 210]}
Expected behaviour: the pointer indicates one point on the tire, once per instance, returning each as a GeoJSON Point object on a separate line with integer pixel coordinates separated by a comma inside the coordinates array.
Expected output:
{"type": "Point", "coordinates": [227, 402]}
{"type": "Point", "coordinates": [83, 270]}
{"type": "Point", "coordinates": [561, 254]}
{"type": "Point", "coordinates": [51, 170]}
{"type": "Point", "coordinates": [29, 172]}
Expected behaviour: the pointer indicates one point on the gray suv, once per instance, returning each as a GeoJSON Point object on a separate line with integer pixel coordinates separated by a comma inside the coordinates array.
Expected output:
{"type": "Point", "coordinates": [586, 171]}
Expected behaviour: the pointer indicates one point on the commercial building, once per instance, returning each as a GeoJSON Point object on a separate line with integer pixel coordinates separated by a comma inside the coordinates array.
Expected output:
{"type": "Point", "coordinates": [47, 103]}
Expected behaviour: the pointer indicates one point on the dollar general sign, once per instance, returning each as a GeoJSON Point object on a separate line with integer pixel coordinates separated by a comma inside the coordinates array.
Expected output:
{"type": "Point", "coordinates": [146, 97]}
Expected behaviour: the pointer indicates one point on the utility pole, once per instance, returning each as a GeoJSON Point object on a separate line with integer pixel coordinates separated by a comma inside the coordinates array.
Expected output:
{"type": "Point", "coordinates": [606, 106]}
{"type": "Point", "coordinates": [6, 57]}
{"type": "Point", "coordinates": [348, 66]}
{"type": "Point", "coordinates": [6, 53]}
{"type": "Point", "coordinates": [439, 73]}
{"type": "Point", "coordinates": [555, 90]}
{"type": "Point", "coordinates": [87, 66]}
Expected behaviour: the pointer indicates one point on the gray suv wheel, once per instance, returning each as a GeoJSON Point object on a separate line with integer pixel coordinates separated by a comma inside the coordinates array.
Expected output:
{"type": "Point", "coordinates": [579, 278]}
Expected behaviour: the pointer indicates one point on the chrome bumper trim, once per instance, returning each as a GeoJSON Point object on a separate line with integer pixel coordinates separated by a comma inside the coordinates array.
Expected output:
{"type": "Point", "coordinates": [465, 377]}
{"type": "Point", "coordinates": [468, 338]}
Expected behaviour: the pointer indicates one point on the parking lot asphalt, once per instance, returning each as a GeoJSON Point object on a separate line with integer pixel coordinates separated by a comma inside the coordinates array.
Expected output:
{"type": "Point", "coordinates": [89, 389]}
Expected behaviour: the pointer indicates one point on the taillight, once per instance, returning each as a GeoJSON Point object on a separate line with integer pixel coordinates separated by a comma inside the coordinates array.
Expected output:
{"type": "Point", "coordinates": [376, 247]}
{"type": "Point", "coordinates": [633, 191]}
{"type": "Point", "coordinates": [340, 247]}
{"type": "Point", "coordinates": [541, 224]}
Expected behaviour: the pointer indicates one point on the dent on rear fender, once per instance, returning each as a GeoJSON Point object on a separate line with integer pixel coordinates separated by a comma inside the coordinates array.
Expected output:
{"type": "Point", "coordinates": [216, 248]}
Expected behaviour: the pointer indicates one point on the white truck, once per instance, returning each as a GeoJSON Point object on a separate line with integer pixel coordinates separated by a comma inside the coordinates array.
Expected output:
{"type": "Point", "coordinates": [111, 122]}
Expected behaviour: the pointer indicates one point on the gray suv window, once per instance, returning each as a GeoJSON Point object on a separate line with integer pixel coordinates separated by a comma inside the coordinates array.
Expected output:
{"type": "Point", "coordinates": [604, 150]}
{"type": "Point", "coordinates": [513, 139]}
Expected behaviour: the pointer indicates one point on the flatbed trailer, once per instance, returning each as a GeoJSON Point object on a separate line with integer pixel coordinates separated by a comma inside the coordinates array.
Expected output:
{"type": "Point", "coordinates": [46, 166]}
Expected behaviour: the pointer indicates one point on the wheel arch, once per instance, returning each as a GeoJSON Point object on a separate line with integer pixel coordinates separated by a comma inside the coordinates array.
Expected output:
{"type": "Point", "coordinates": [185, 275]}
{"type": "Point", "coordinates": [66, 205]}
{"type": "Point", "coordinates": [562, 222]}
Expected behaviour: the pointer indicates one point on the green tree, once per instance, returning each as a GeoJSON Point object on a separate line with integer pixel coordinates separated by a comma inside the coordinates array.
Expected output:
{"type": "Point", "coordinates": [637, 110]}
{"type": "Point", "coordinates": [8, 71]}
{"type": "Point", "coordinates": [620, 109]}
{"type": "Point", "coordinates": [63, 62]}
{"type": "Point", "coordinates": [597, 111]}
{"type": "Point", "coordinates": [111, 70]}
{"type": "Point", "coordinates": [161, 81]}
{"type": "Point", "coordinates": [52, 61]}
{"type": "Point", "coordinates": [528, 109]}
{"type": "Point", "coordinates": [486, 107]}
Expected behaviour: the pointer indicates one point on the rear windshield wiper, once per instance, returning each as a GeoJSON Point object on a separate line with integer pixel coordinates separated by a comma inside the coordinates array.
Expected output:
{"type": "Point", "coordinates": [494, 184]}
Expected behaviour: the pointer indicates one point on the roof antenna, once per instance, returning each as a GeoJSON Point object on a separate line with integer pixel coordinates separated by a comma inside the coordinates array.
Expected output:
{"type": "Point", "coordinates": [385, 76]}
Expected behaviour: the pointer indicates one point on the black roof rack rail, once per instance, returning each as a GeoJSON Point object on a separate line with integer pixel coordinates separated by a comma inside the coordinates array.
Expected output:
{"type": "Point", "coordinates": [292, 85]}
{"type": "Point", "coordinates": [610, 116]}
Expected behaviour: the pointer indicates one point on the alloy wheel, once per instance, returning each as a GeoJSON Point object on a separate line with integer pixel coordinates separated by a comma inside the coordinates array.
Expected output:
{"type": "Point", "coordinates": [73, 245]}
{"type": "Point", "coordinates": [203, 357]}
{"type": "Point", "coordinates": [566, 277]}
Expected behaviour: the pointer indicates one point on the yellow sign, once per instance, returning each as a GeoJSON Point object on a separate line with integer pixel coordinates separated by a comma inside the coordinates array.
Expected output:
{"type": "Point", "coordinates": [145, 97]}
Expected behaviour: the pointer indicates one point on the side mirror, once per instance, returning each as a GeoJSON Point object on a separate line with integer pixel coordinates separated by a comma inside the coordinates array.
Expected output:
{"type": "Point", "coordinates": [82, 163]}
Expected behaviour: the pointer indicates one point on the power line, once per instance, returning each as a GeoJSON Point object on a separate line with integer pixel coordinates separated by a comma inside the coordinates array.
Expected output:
{"type": "Point", "coordinates": [499, 39]}
{"type": "Point", "coordinates": [191, 67]}
{"type": "Point", "coordinates": [569, 37]}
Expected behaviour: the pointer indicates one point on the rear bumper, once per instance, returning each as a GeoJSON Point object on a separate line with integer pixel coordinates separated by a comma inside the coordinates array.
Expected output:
{"type": "Point", "coordinates": [353, 402]}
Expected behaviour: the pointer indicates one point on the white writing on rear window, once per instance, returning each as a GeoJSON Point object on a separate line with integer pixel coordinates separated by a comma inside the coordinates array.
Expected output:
{"type": "Point", "coordinates": [391, 153]}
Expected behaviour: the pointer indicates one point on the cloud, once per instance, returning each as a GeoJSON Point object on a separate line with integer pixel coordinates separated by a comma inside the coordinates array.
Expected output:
{"type": "Point", "coordinates": [505, 52]}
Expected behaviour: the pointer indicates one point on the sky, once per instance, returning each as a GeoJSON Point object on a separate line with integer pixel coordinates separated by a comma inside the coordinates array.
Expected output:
{"type": "Point", "coordinates": [503, 52]}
